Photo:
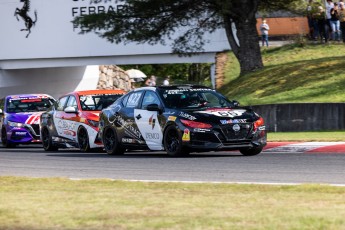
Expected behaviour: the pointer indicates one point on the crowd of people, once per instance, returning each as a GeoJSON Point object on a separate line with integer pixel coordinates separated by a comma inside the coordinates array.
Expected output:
{"type": "Point", "coordinates": [326, 20]}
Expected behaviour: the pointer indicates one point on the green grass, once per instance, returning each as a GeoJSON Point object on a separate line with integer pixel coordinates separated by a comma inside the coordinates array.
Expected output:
{"type": "Point", "coordinates": [103, 204]}
{"type": "Point", "coordinates": [323, 136]}
{"type": "Point", "coordinates": [313, 73]}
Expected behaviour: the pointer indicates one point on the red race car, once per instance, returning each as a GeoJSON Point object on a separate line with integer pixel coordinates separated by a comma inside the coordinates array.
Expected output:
{"type": "Point", "coordinates": [73, 120]}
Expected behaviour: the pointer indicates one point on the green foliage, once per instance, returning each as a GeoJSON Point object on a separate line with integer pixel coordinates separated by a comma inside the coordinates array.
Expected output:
{"type": "Point", "coordinates": [197, 73]}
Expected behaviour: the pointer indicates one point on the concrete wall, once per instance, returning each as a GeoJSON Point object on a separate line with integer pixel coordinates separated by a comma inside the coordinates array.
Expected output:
{"type": "Point", "coordinates": [303, 117]}
{"type": "Point", "coordinates": [53, 81]}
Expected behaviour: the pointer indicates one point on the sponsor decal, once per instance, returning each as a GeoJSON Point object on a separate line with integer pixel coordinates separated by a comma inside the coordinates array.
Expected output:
{"type": "Point", "coordinates": [236, 127]}
{"type": "Point", "coordinates": [152, 122]}
{"type": "Point", "coordinates": [224, 122]}
{"type": "Point", "coordinates": [201, 130]}
{"type": "Point", "coordinates": [261, 128]}
{"type": "Point", "coordinates": [23, 13]}
{"type": "Point", "coordinates": [20, 133]}
{"type": "Point", "coordinates": [33, 119]}
{"type": "Point", "coordinates": [152, 136]}
{"type": "Point", "coordinates": [187, 116]}
{"type": "Point", "coordinates": [224, 112]}
{"type": "Point", "coordinates": [127, 140]}
{"type": "Point", "coordinates": [186, 135]}
{"type": "Point", "coordinates": [172, 118]}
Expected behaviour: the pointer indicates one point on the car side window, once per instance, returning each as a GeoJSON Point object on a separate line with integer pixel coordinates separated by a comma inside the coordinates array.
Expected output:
{"type": "Point", "coordinates": [150, 98]}
{"type": "Point", "coordinates": [72, 102]}
{"type": "Point", "coordinates": [61, 103]}
{"type": "Point", "coordinates": [133, 100]}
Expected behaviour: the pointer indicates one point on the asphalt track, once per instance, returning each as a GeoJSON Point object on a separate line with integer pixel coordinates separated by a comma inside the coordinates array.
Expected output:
{"type": "Point", "coordinates": [279, 163]}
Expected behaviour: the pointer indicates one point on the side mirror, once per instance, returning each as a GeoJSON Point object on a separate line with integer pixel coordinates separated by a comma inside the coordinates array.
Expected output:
{"type": "Point", "coordinates": [70, 109]}
{"type": "Point", "coordinates": [1, 113]}
{"type": "Point", "coordinates": [154, 107]}
{"type": "Point", "coordinates": [236, 103]}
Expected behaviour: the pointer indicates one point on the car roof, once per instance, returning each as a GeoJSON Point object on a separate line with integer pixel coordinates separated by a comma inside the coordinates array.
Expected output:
{"type": "Point", "coordinates": [172, 87]}
{"type": "Point", "coordinates": [29, 95]}
{"type": "Point", "coordinates": [98, 91]}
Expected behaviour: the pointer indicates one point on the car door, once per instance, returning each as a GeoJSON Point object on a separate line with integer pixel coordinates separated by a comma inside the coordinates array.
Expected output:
{"type": "Point", "coordinates": [148, 121]}
{"type": "Point", "coordinates": [127, 129]}
{"type": "Point", "coordinates": [58, 116]}
{"type": "Point", "coordinates": [69, 120]}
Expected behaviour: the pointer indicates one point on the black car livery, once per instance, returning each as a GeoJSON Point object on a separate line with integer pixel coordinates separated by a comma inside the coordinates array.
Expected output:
{"type": "Point", "coordinates": [180, 119]}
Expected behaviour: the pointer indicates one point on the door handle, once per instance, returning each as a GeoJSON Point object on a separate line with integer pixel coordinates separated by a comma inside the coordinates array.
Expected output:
{"type": "Point", "coordinates": [138, 116]}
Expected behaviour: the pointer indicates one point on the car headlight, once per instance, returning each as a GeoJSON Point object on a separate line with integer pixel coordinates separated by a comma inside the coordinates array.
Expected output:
{"type": "Point", "coordinates": [15, 124]}
{"type": "Point", "coordinates": [93, 123]}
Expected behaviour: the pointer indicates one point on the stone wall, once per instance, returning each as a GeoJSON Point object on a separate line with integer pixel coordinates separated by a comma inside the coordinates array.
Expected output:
{"type": "Point", "coordinates": [113, 77]}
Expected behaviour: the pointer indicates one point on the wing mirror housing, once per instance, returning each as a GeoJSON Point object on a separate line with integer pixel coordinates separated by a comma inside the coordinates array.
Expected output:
{"type": "Point", "coordinates": [1, 113]}
{"type": "Point", "coordinates": [70, 109]}
{"type": "Point", "coordinates": [236, 103]}
{"type": "Point", "coordinates": [154, 107]}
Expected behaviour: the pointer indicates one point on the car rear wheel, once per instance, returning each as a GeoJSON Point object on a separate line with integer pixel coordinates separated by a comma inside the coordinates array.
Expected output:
{"type": "Point", "coordinates": [4, 140]}
{"type": "Point", "coordinates": [251, 151]}
{"type": "Point", "coordinates": [173, 142]}
{"type": "Point", "coordinates": [47, 141]}
{"type": "Point", "coordinates": [83, 140]}
{"type": "Point", "coordinates": [111, 143]}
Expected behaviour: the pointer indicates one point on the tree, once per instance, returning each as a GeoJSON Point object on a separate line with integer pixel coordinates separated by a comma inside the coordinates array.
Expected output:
{"type": "Point", "coordinates": [152, 21]}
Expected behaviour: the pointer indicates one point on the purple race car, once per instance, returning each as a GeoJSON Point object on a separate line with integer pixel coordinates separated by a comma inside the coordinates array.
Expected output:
{"type": "Point", "coordinates": [21, 118]}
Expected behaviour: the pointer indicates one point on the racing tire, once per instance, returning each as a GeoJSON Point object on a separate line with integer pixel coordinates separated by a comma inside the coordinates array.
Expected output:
{"type": "Point", "coordinates": [4, 140]}
{"type": "Point", "coordinates": [251, 151]}
{"type": "Point", "coordinates": [83, 140]}
{"type": "Point", "coordinates": [172, 142]}
{"type": "Point", "coordinates": [47, 141]}
{"type": "Point", "coordinates": [111, 144]}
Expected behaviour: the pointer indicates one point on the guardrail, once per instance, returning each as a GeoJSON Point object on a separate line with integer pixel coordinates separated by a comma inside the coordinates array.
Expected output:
{"type": "Point", "coordinates": [302, 116]}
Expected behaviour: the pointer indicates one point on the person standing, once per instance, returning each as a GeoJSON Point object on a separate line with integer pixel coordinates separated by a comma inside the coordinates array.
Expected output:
{"type": "Point", "coordinates": [322, 24]}
{"type": "Point", "coordinates": [166, 80]}
{"type": "Point", "coordinates": [342, 19]}
{"type": "Point", "coordinates": [335, 24]}
{"type": "Point", "coordinates": [264, 28]}
{"type": "Point", "coordinates": [329, 5]}
{"type": "Point", "coordinates": [151, 81]}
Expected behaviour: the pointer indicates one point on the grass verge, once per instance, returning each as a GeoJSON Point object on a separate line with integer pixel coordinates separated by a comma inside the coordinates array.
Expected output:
{"type": "Point", "coordinates": [28, 203]}
{"type": "Point", "coordinates": [307, 136]}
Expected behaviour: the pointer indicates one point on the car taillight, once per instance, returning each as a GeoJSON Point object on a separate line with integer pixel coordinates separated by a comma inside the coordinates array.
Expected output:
{"type": "Point", "coordinates": [258, 123]}
{"type": "Point", "coordinates": [195, 124]}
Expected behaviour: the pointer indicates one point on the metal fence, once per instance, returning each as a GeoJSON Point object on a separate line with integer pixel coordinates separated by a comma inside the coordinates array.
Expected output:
{"type": "Point", "coordinates": [302, 116]}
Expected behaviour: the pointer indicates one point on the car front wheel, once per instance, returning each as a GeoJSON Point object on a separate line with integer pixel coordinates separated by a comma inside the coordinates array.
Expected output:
{"type": "Point", "coordinates": [173, 142]}
{"type": "Point", "coordinates": [47, 141]}
{"type": "Point", "coordinates": [251, 151]}
{"type": "Point", "coordinates": [83, 140]}
{"type": "Point", "coordinates": [4, 140]}
{"type": "Point", "coordinates": [111, 143]}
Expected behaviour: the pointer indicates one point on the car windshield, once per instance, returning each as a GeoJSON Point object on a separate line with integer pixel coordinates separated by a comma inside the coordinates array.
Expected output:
{"type": "Point", "coordinates": [193, 98]}
{"type": "Point", "coordinates": [20, 105]}
{"type": "Point", "coordinates": [97, 102]}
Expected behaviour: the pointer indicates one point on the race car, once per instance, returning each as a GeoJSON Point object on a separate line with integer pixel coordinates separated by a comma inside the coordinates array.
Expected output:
{"type": "Point", "coordinates": [21, 117]}
{"type": "Point", "coordinates": [73, 120]}
{"type": "Point", "coordinates": [180, 119]}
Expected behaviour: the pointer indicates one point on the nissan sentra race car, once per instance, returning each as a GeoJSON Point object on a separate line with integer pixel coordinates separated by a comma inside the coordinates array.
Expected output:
{"type": "Point", "coordinates": [180, 119]}
{"type": "Point", "coordinates": [21, 117]}
{"type": "Point", "coordinates": [73, 120]}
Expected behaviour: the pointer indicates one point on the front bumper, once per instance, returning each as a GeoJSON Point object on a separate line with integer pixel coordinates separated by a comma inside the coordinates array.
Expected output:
{"type": "Point", "coordinates": [221, 138]}
{"type": "Point", "coordinates": [23, 135]}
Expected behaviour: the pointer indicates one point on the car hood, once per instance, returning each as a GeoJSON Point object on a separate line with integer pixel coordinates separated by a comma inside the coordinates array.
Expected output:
{"type": "Point", "coordinates": [220, 115]}
{"type": "Point", "coordinates": [26, 118]}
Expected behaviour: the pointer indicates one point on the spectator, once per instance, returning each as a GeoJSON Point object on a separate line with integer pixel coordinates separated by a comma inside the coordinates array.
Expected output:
{"type": "Point", "coordinates": [166, 81]}
{"type": "Point", "coordinates": [312, 10]}
{"type": "Point", "coordinates": [341, 12]}
{"type": "Point", "coordinates": [328, 7]}
{"type": "Point", "coordinates": [335, 24]}
{"type": "Point", "coordinates": [322, 24]}
{"type": "Point", "coordinates": [151, 81]}
{"type": "Point", "coordinates": [264, 28]}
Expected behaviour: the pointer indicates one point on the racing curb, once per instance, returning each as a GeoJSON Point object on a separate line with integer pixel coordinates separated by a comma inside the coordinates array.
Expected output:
{"type": "Point", "coordinates": [305, 147]}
